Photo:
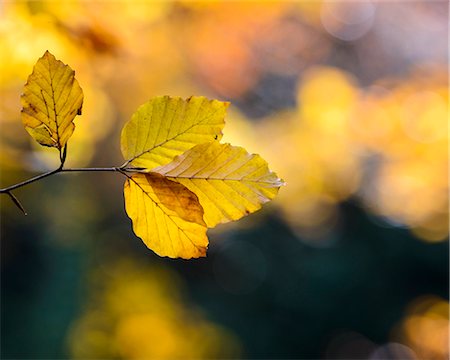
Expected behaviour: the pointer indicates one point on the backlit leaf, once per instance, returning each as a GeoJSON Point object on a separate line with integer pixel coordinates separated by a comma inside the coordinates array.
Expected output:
{"type": "Point", "coordinates": [165, 127]}
{"type": "Point", "coordinates": [166, 216]}
{"type": "Point", "coordinates": [229, 182]}
{"type": "Point", "coordinates": [52, 98]}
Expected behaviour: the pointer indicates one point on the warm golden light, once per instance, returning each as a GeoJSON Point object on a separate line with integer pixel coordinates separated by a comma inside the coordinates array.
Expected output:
{"type": "Point", "coordinates": [425, 328]}
{"type": "Point", "coordinates": [140, 313]}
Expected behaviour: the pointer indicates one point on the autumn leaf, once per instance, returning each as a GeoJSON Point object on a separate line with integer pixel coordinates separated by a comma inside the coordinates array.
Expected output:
{"type": "Point", "coordinates": [166, 216]}
{"type": "Point", "coordinates": [188, 181]}
{"type": "Point", "coordinates": [52, 98]}
{"type": "Point", "coordinates": [229, 182]}
{"type": "Point", "coordinates": [165, 127]}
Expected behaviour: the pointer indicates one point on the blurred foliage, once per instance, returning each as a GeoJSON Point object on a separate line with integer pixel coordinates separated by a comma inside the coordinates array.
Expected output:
{"type": "Point", "coordinates": [138, 312]}
{"type": "Point", "coordinates": [384, 143]}
{"type": "Point", "coordinates": [425, 328]}
{"type": "Point", "coordinates": [347, 100]}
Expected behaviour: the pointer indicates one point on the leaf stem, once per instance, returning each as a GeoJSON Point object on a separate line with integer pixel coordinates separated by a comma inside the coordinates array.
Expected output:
{"type": "Point", "coordinates": [62, 155]}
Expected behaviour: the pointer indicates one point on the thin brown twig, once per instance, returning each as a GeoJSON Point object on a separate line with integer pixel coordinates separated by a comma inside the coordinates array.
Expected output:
{"type": "Point", "coordinates": [8, 190]}
{"type": "Point", "coordinates": [16, 201]}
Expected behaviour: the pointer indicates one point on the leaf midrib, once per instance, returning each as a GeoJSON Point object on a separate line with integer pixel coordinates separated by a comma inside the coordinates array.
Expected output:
{"type": "Point", "coordinates": [220, 179]}
{"type": "Point", "coordinates": [174, 137]}
{"type": "Point", "coordinates": [167, 215]}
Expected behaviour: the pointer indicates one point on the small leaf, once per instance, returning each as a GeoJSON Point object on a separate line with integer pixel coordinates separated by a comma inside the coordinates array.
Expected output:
{"type": "Point", "coordinates": [229, 182]}
{"type": "Point", "coordinates": [166, 216]}
{"type": "Point", "coordinates": [165, 127]}
{"type": "Point", "coordinates": [52, 98]}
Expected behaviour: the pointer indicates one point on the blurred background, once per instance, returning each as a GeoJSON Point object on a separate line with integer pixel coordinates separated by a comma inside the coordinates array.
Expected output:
{"type": "Point", "coordinates": [348, 102]}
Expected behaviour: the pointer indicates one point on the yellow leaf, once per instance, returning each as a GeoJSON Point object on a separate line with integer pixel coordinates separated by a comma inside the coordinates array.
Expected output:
{"type": "Point", "coordinates": [229, 182]}
{"type": "Point", "coordinates": [52, 98]}
{"type": "Point", "coordinates": [166, 216]}
{"type": "Point", "coordinates": [165, 127]}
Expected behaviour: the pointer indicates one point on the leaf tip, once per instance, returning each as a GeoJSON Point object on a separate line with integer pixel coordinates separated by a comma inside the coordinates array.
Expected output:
{"type": "Point", "coordinates": [280, 182]}
{"type": "Point", "coordinates": [47, 54]}
{"type": "Point", "coordinates": [202, 251]}
{"type": "Point", "coordinates": [199, 255]}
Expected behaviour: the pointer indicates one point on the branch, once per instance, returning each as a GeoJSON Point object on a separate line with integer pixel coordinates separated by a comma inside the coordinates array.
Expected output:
{"type": "Point", "coordinates": [8, 190]}
{"type": "Point", "coordinates": [29, 181]}
{"type": "Point", "coordinates": [17, 202]}
{"type": "Point", "coordinates": [94, 169]}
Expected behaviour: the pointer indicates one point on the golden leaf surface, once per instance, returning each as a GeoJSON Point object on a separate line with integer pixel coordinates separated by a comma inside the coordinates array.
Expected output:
{"type": "Point", "coordinates": [52, 98]}
{"type": "Point", "coordinates": [229, 182]}
{"type": "Point", "coordinates": [166, 216]}
{"type": "Point", "coordinates": [165, 127]}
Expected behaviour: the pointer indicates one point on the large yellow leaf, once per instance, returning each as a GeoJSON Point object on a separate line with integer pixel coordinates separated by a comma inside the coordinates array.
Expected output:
{"type": "Point", "coordinates": [229, 182]}
{"type": "Point", "coordinates": [165, 127]}
{"type": "Point", "coordinates": [166, 216]}
{"type": "Point", "coordinates": [52, 98]}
